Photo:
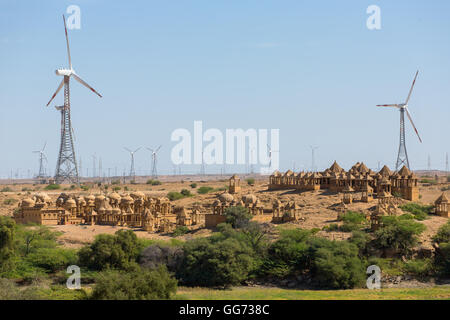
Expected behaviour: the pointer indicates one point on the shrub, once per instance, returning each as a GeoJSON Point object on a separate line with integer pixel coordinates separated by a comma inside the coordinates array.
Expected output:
{"type": "Point", "coordinates": [52, 259]}
{"type": "Point", "coordinates": [442, 259]}
{"type": "Point", "coordinates": [10, 201]}
{"type": "Point", "coordinates": [337, 265]}
{"type": "Point", "coordinates": [397, 233]}
{"type": "Point", "coordinates": [204, 190]}
{"type": "Point", "coordinates": [186, 193]}
{"type": "Point", "coordinates": [115, 182]}
{"type": "Point", "coordinates": [53, 187]}
{"type": "Point", "coordinates": [154, 182]}
{"type": "Point", "coordinates": [215, 264]}
{"type": "Point", "coordinates": [118, 251]}
{"type": "Point", "coordinates": [84, 188]}
{"type": "Point", "coordinates": [420, 268]}
{"type": "Point", "coordinates": [157, 254]}
{"type": "Point", "coordinates": [144, 284]}
{"type": "Point", "coordinates": [116, 188]}
{"type": "Point", "coordinates": [443, 234]}
{"type": "Point", "coordinates": [7, 239]}
{"type": "Point", "coordinates": [193, 185]}
{"type": "Point", "coordinates": [250, 181]}
{"type": "Point", "coordinates": [237, 216]}
{"type": "Point", "coordinates": [420, 212]}
{"type": "Point", "coordinates": [352, 221]}
{"type": "Point", "coordinates": [173, 195]}
{"type": "Point", "coordinates": [10, 291]}
{"type": "Point", "coordinates": [180, 230]}
{"type": "Point", "coordinates": [6, 189]}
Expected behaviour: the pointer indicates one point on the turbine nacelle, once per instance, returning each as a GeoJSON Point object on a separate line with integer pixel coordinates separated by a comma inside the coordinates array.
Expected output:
{"type": "Point", "coordinates": [64, 72]}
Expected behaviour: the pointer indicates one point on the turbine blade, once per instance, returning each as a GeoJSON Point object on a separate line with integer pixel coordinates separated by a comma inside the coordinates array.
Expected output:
{"type": "Point", "coordinates": [410, 119]}
{"type": "Point", "coordinates": [67, 41]}
{"type": "Point", "coordinates": [85, 84]}
{"type": "Point", "coordinates": [158, 148]}
{"type": "Point", "coordinates": [137, 150]}
{"type": "Point", "coordinates": [45, 144]}
{"type": "Point", "coordinates": [412, 86]}
{"type": "Point", "coordinates": [388, 105]}
{"type": "Point", "coordinates": [56, 92]}
{"type": "Point", "coordinates": [127, 149]}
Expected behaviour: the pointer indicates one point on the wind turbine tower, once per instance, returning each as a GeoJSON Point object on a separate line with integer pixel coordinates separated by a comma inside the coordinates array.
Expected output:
{"type": "Point", "coordinates": [42, 158]}
{"type": "Point", "coordinates": [132, 171]}
{"type": "Point", "coordinates": [66, 166]}
{"type": "Point", "coordinates": [154, 161]}
{"type": "Point", "coordinates": [402, 158]}
{"type": "Point", "coordinates": [313, 160]}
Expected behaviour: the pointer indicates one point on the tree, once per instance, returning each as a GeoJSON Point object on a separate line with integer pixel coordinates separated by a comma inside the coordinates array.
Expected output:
{"type": "Point", "coordinates": [118, 251]}
{"type": "Point", "coordinates": [215, 264]}
{"type": "Point", "coordinates": [7, 238]}
{"type": "Point", "coordinates": [237, 216]}
{"type": "Point", "coordinates": [142, 284]}
{"type": "Point", "coordinates": [398, 233]}
{"type": "Point", "coordinates": [156, 255]}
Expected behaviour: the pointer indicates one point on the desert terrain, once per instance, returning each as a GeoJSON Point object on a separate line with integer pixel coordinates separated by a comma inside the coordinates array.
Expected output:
{"type": "Point", "coordinates": [316, 206]}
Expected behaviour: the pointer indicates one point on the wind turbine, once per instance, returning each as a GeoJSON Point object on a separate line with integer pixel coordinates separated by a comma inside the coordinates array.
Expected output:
{"type": "Point", "coordinates": [154, 161]}
{"type": "Point", "coordinates": [66, 167]}
{"type": "Point", "coordinates": [313, 159]}
{"type": "Point", "coordinates": [42, 158]}
{"type": "Point", "coordinates": [402, 157]}
{"type": "Point", "coordinates": [132, 171]}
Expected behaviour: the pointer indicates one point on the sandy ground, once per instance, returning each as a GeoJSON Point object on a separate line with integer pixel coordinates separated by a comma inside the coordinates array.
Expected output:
{"type": "Point", "coordinates": [315, 206]}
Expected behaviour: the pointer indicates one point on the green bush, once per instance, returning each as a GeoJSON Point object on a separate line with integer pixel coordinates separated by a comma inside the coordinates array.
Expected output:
{"type": "Point", "coordinates": [215, 264]}
{"type": "Point", "coordinates": [443, 234]}
{"type": "Point", "coordinates": [52, 187]}
{"type": "Point", "coordinates": [420, 212]}
{"type": "Point", "coordinates": [118, 251]}
{"type": "Point", "coordinates": [154, 182]}
{"type": "Point", "coordinates": [398, 233]}
{"type": "Point", "coordinates": [442, 259]}
{"type": "Point", "coordinates": [332, 264]}
{"type": "Point", "coordinates": [337, 265]}
{"type": "Point", "coordinates": [143, 284]}
{"type": "Point", "coordinates": [115, 182]}
{"type": "Point", "coordinates": [250, 181]}
{"type": "Point", "coordinates": [84, 187]}
{"type": "Point", "coordinates": [204, 190]}
{"type": "Point", "coordinates": [237, 216]}
{"type": "Point", "coordinates": [116, 188]}
{"type": "Point", "coordinates": [173, 195]}
{"type": "Point", "coordinates": [7, 242]}
{"type": "Point", "coordinates": [420, 268]}
{"type": "Point", "coordinates": [6, 189]}
{"type": "Point", "coordinates": [52, 259]}
{"type": "Point", "coordinates": [10, 201]}
{"type": "Point", "coordinates": [193, 185]}
{"type": "Point", "coordinates": [186, 193]}
{"type": "Point", "coordinates": [180, 230]}
{"type": "Point", "coordinates": [10, 291]}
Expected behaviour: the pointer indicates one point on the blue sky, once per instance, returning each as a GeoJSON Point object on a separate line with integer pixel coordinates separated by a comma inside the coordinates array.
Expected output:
{"type": "Point", "coordinates": [309, 68]}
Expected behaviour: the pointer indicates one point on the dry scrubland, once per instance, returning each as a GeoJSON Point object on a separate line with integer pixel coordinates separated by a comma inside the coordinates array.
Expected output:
{"type": "Point", "coordinates": [315, 206]}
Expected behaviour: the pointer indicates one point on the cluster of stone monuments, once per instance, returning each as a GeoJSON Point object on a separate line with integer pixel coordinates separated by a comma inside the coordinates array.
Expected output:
{"type": "Point", "coordinates": [134, 210]}
{"type": "Point", "coordinates": [158, 214]}
{"type": "Point", "coordinates": [358, 179]}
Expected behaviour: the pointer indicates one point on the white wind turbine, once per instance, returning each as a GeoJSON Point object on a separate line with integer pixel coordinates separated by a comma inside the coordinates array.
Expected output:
{"type": "Point", "coordinates": [66, 168]}
{"type": "Point", "coordinates": [132, 171]}
{"type": "Point", "coordinates": [154, 161]}
{"type": "Point", "coordinates": [42, 158]}
{"type": "Point", "coordinates": [402, 157]}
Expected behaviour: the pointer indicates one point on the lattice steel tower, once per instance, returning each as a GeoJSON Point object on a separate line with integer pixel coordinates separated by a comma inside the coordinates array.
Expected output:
{"type": "Point", "coordinates": [402, 158]}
